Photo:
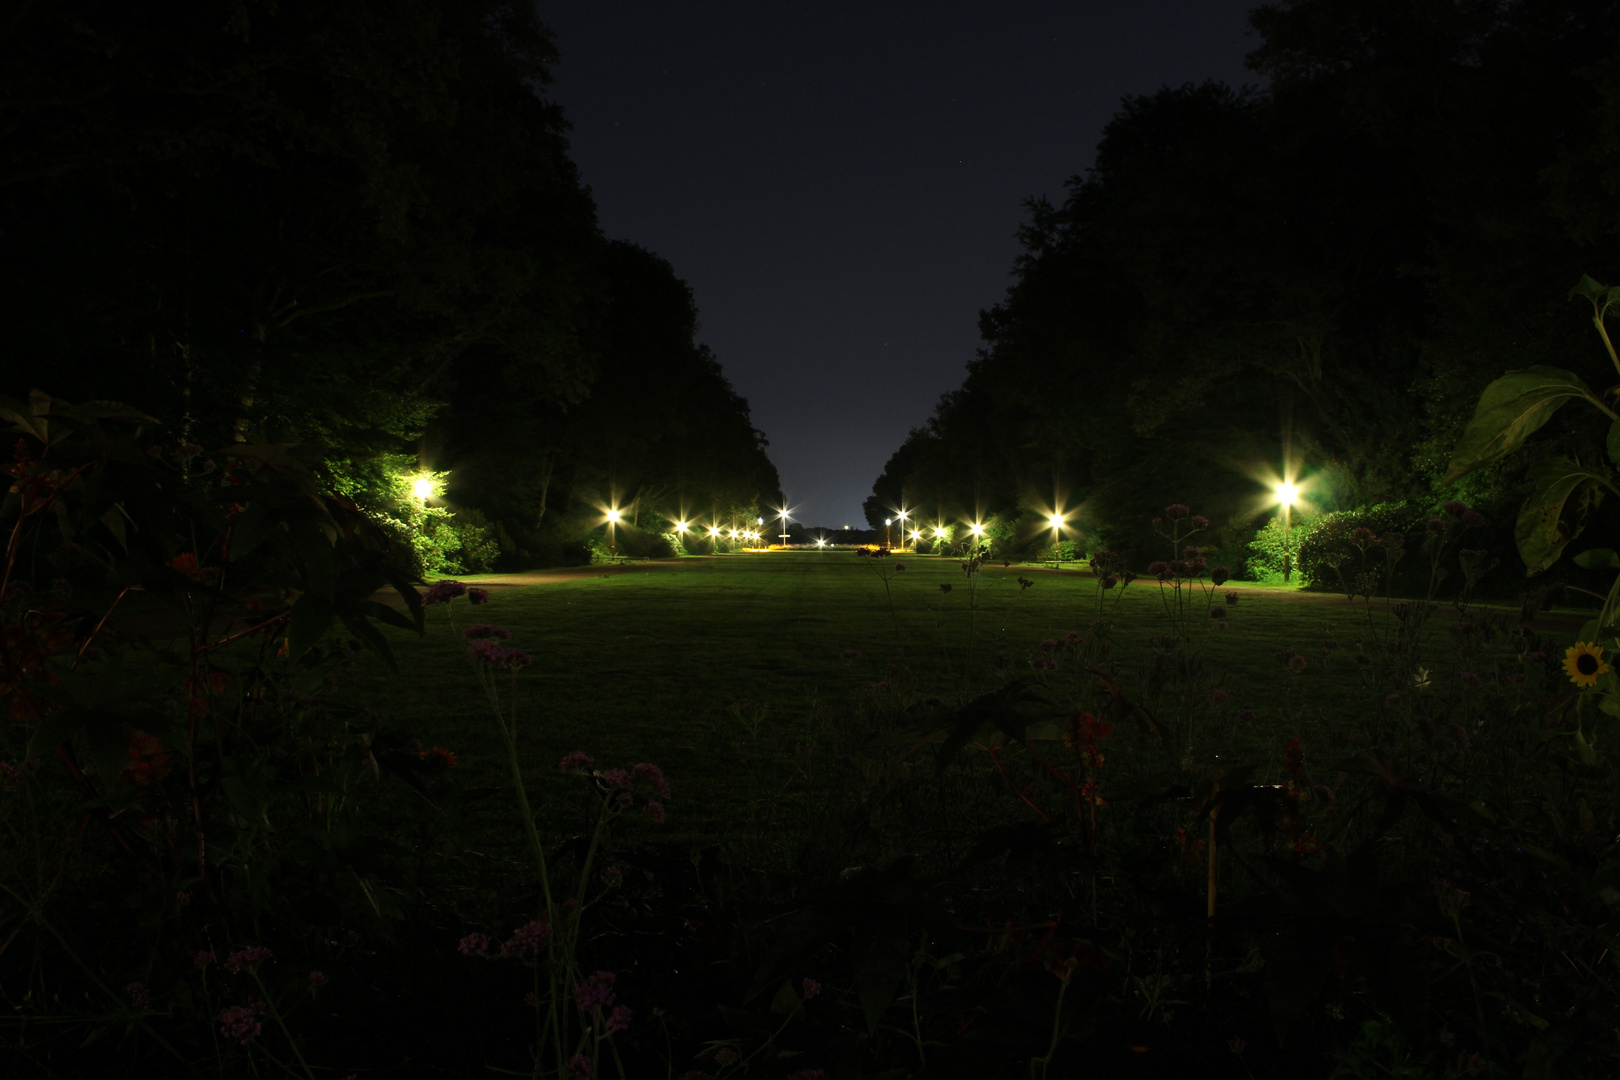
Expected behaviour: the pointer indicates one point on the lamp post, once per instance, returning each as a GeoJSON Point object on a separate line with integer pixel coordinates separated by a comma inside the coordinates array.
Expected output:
{"type": "Point", "coordinates": [1287, 494]}
{"type": "Point", "coordinates": [902, 512]}
{"type": "Point", "coordinates": [613, 518]}
{"type": "Point", "coordinates": [886, 523]}
{"type": "Point", "coordinates": [1056, 521]}
{"type": "Point", "coordinates": [784, 515]}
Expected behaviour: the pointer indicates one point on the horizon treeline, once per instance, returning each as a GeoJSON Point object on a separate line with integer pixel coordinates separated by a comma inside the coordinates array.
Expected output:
{"type": "Point", "coordinates": [1316, 277]}
{"type": "Point", "coordinates": [357, 230]}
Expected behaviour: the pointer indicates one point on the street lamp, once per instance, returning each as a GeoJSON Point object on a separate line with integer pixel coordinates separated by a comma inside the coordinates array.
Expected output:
{"type": "Point", "coordinates": [613, 518]}
{"type": "Point", "coordinates": [784, 514]}
{"type": "Point", "coordinates": [886, 523]}
{"type": "Point", "coordinates": [1287, 494]}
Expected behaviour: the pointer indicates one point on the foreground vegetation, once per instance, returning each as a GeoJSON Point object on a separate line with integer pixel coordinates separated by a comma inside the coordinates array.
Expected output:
{"type": "Point", "coordinates": [773, 816]}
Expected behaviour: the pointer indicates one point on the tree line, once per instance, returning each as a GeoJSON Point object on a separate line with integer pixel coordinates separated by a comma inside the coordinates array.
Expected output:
{"type": "Point", "coordinates": [1313, 277]}
{"type": "Point", "coordinates": [355, 230]}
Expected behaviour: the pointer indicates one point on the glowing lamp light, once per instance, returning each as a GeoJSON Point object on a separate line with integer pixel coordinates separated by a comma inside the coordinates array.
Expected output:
{"type": "Point", "coordinates": [714, 530]}
{"type": "Point", "coordinates": [821, 543]}
{"type": "Point", "coordinates": [614, 516]}
{"type": "Point", "coordinates": [1287, 494]}
{"type": "Point", "coordinates": [939, 532]}
{"type": "Point", "coordinates": [887, 521]}
{"type": "Point", "coordinates": [422, 487]}
{"type": "Point", "coordinates": [977, 529]}
{"type": "Point", "coordinates": [1056, 521]}
{"type": "Point", "coordinates": [680, 526]}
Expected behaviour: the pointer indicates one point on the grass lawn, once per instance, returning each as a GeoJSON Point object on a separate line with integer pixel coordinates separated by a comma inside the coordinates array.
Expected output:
{"type": "Point", "coordinates": [651, 664]}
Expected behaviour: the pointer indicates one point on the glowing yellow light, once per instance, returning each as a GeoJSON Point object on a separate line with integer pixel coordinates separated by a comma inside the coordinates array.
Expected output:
{"type": "Point", "coordinates": [821, 543]}
{"type": "Point", "coordinates": [916, 534]}
{"type": "Point", "coordinates": [1287, 494]}
{"type": "Point", "coordinates": [714, 530]}
{"type": "Point", "coordinates": [422, 488]}
{"type": "Point", "coordinates": [1056, 521]}
{"type": "Point", "coordinates": [732, 534]}
{"type": "Point", "coordinates": [977, 529]}
{"type": "Point", "coordinates": [939, 532]}
{"type": "Point", "coordinates": [614, 516]}
{"type": "Point", "coordinates": [680, 526]}
{"type": "Point", "coordinates": [887, 521]}
{"type": "Point", "coordinates": [903, 514]}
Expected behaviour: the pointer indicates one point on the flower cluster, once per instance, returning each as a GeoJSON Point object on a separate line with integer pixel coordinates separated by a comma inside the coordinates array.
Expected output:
{"type": "Point", "coordinates": [241, 1022]}
{"type": "Point", "coordinates": [243, 958]}
{"type": "Point", "coordinates": [486, 650]}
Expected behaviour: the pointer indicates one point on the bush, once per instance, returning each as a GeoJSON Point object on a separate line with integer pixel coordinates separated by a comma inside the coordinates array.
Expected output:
{"type": "Point", "coordinates": [1331, 541]}
{"type": "Point", "coordinates": [1265, 559]}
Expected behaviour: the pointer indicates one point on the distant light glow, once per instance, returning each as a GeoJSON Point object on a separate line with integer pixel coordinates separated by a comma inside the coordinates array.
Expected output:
{"type": "Point", "coordinates": [1287, 493]}
{"type": "Point", "coordinates": [977, 529]}
{"type": "Point", "coordinates": [1056, 521]}
{"type": "Point", "coordinates": [887, 521]}
{"type": "Point", "coordinates": [939, 532]}
{"type": "Point", "coordinates": [714, 530]}
{"type": "Point", "coordinates": [821, 543]}
{"type": "Point", "coordinates": [680, 526]}
{"type": "Point", "coordinates": [422, 487]}
{"type": "Point", "coordinates": [614, 516]}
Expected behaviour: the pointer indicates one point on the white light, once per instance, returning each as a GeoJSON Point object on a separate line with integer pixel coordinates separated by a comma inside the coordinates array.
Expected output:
{"type": "Point", "coordinates": [939, 532]}
{"type": "Point", "coordinates": [1287, 494]}
{"type": "Point", "coordinates": [680, 526]}
{"type": "Point", "coordinates": [1056, 521]}
{"type": "Point", "coordinates": [821, 543]}
{"type": "Point", "coordinates": [977, 529]}
{"type": "Point", "coordinates": [613, 516]}
{"type": "Point", "coordinates": [423, 487]}
{"type": "Point", "coordinates": [714, 530]}
{"type": "Point", "coordinates": [885, 521]}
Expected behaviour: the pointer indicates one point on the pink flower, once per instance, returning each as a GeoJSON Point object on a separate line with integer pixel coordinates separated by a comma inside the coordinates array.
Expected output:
{"type": "Point", "coordinates": [618, 780]}
{"type": "Point", "coordinates": [575, 762]}
{"type": "Point", "coordinates": [475, 945]}
{"type": "Point", "coordinates": [619, 1019]}
{"type": "Point", "coordinates": [527, 939]}
{"type": "Point", "coordinates": [442, 592]}
{"type": "Point", "coordinates": [247, 957]}
{"type": "Point", "coordinates": [485, 630]}
{"type": "Point", "coordinates": [139, 996]}
{"type": "Point", "coordinates": [579, 1067]}
{"type": "Point", "coordinates": [1200, 521]}
{"type": "Point", "coordinates": [202, 960]}
{"type": "Point", "coordinates": [655, 810]}
{"type": "Point", "coordinates": [241, 1022]}
{"type": "Point", "coordinates": [1175, 511]}
{"type": "Point", "coordinates": [654, 776]}
{"type": "Point", "coordinates": [475, 595]}
{"type": "Point", "coordinates": [725, 1056]}
{"type": "Point", "coordinates": [317, 978]}
{"type": "Point", "coordinates": [595, 993]}
{"type": "Point", "coordinates": [811, 988]}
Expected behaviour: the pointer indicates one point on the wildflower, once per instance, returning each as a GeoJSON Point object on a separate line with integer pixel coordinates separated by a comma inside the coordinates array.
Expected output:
{"type": "Point", "coordinates": [1222, 625]}
{"type": "Point", "coordinates": [1200, 521]}
{"type": "Point", "coordinates": [1024, 583]}
{"type": "Point", "coordinates": [439, 756]}
{"type": "Point", "coordinates": [475, 595]}
{"type": "Point", "coordinates": [655, 810]}
{"type": "Point", "coordinates": [1217, 613]}
{"type": "Point", "coordinates": [725, 1056]}
{"type": "Point", "coordinates": [139, 997]}
{"type": "Point", "coordinates": [525, 940]}
{"type": "Point", "coordinates": [1583, 663]}
{"type": "Point", "coordinates": [1041, 663]}
{"type": "Point", "coordinates": [247, 957]}
{"type": "Point", "coordinates": [579, 1067]}
{"type": "Point", "coordinates": [485, 630]}
{"type": "Point", "coordinates": [1472, 1064]}
{"type": "Point", "coordinates": [1361, 536]}
{"type": "Point", "coordinates": [148, 764]}
{"type": "Point", "coordinates": [1110, 581]}
{"type": "Point", "coordinates": [595, 993]}
{"type": "Point", "coordinates": [1539, 657]}
{"type": "Point", "coordinates": [1436, 525]}
{"type": "Point", "coordinates": [186, 564]}
{"type": "Point", "coordinates": [809, 1074]}
{"type": "Point", "coordinates": [899, 566]}
{"type": "Point", "coordinates": [1219, 575]}
{"type": "Point", "coordinates": [1473, 519]}
{"type": "Point", "coordinates": [442, 592]}
{"type": "Point", "coordinates": [1392, 699]}
{"type": "Point", "coordinates": [1049, 644]}
{"type": "Point", "coordinates": [1159, 567]}
{"type": "Point", "coordinates": [202, 960]}
{"type": "Point", "coordinates": [574, 762]}
{"type": "Point", "coordinates": [654, 776]}
{"type": "Point", "coordinates": [811, 988]}
{"type": "Point", "coordinates": [618, 779]}
{"type": "Point", "coordinates": [241, 1022]}
{"type": "Point", "coordinates": [317, 978]}
{"type": "Point", "coordinates": [1296, 663]}
{"type": "Point", "coordinates": [1452, 899]}
{"type": "Point", "coordinates": [1175, 511]}
{"type": "Point", "coordinates": [850, 654]}
{"type": "Point", "coordinates": [1180, 567]}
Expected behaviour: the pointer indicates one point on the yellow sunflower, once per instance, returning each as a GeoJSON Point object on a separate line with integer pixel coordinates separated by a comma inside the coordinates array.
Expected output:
{"type": "Point", "coordinates": [1583, 663]}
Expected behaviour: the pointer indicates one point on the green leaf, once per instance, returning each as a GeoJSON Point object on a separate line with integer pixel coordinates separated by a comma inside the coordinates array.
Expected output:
{"type": "Point", "coordinates": [786, 1000]}
{"type": "Point", "coordinates": [370, 636]}
{"type": "Point", "coordinates": [1598, 559]}
{"type": "Point", "coordinates": [1540, 532]}
{"type": "Point", "coordinates": [1602, 296]}
{"type": "Point", "coordinates": [1510, 410]}
{"type": "Point", "coordinates": [311, 616]}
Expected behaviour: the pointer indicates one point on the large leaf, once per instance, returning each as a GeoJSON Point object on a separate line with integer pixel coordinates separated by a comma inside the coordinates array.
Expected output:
{"type": "Point", "coordinates": [1542, 531]}
{"type": "Point", "coordinates": [1603, 297]}
{"type": "Point", "coordinates": [1510, 410]}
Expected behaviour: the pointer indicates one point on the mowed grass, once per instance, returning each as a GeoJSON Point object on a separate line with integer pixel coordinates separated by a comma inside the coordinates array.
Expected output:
{"type": "Point", "coordinates": [650, 665]}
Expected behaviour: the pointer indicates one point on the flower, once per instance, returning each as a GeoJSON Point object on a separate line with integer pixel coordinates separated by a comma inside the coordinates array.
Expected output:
{"type": "Point", "coordinates": [574, 762]}
{"type": "Point", "coordinates": [439, 756]}
{"type": "Point", "coordinates": [202, 960]}
{"type": "Point", "coordinates": [653, 775]}
{"type": "Point", "coordinates": [595, 992]}
{"type": "Point", "coordinates": [241, 1022]}
{"type": "Point", "coordinates": [475, 945]}
{"type": "Point", "coordinates": [811, 988]}
{"type": "Point", "coordinates": [525, 940]}
{"type": "Point", "coordinates": [619, 1018]}
{"type": "Point", "coordinates": [476, 595]}
{"type": "Point", "coordinates": [317, 978]}
{"type": "Point", "coordinates": [1473, 518]}
{"type": "Point", "coordinates": [1175, 511]}
{"type": "Point", "coordinates": [944, 586]}
{"type": "Point", "coordinates": [1583, 663]}
{"type": "Point", "coordinates": [1221, 697]}
{"type": "Point", "coordinates": [1296, 663]}
{"type": "Point", "coordinates": [1200, 521]}
{"type": "Point", "coordinates": [725, 1055]}
{"type": "Point", "coordinates": [1468, 677]}
{"type": "Point", "coordinates": [1158, 567]}
{"type": "Point", "coordinates": [1456, 509]}
{"type": "Point", "coordinates": [579, 1067]}
{"type": "Point", "coordinates": [139, 997]}
{"type": "Point", "coordinates": [442, 592]}
{"type": "Point", "coordinates": [484, 650]}
{"type": "Point", "coordinates": [1217, 613]}
{"type": "Point", "coordinates": [655, 810]}
{"type": "Point", "coordinates": [1219, 575]}
{"type": "Point", "coordinates": [148, 764]}
{"type": "Point", "coordinates": [618, 779]}
{"type": "Point", "coordinates": [1246, 716]}
{"type": "Point", "coordinates": [247, 957]}
{"type": "Point", "coordinates": [1236, 1045]}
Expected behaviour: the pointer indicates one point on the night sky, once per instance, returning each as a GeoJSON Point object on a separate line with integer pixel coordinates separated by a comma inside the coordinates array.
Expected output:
{"type": "Point", "coordinates": [841, 183]}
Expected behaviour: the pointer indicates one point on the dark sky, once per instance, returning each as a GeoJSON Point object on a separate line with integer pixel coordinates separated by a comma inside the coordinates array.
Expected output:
{"type": "Point", "coordinates": [840, 183]}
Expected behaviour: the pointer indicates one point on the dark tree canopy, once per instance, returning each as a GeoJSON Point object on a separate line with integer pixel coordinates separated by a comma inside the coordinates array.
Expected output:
{"type": "Point", "coordinates": [1326, 270]}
